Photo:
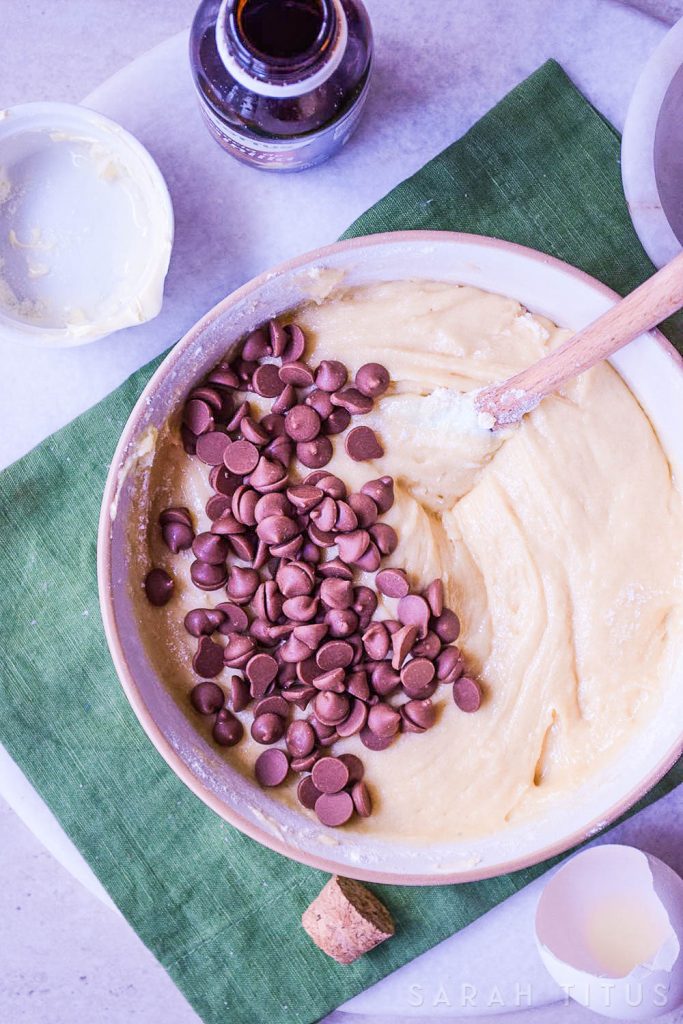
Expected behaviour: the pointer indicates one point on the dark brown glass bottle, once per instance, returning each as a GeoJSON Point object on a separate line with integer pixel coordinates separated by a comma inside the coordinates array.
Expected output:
{"type": "Point", "coordinates": [281, 83]}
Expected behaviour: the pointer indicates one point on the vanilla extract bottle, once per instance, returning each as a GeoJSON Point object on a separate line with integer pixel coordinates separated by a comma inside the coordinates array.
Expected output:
{"type": "Point", "coordinates": [281, 83]}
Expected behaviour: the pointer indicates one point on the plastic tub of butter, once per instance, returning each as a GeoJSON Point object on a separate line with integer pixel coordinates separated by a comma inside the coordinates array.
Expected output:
{"type": "Point", "coordinates": [86, 226]}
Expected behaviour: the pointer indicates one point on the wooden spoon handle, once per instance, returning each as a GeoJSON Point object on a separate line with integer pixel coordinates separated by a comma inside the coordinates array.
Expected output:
{"type": "Point", "coordinates": [653, 301]}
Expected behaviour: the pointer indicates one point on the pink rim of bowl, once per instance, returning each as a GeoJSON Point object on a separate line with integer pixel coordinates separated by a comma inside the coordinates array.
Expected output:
{"type": "Point", "coordinates": [650, 365]}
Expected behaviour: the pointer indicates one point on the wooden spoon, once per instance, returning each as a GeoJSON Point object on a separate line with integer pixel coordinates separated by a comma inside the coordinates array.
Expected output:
{"type": "Point", "coordinates": [655, 300]}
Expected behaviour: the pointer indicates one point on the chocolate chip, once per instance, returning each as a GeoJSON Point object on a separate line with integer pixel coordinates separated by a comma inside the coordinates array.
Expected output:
{"type": "Point", "coordinates": [277, 529]}
{"type": "Point", "coordinates": [177, 536]}
{"type": "Point", "coordinates": [364, 604]}
{"type": "Point", "coordinates": [428, 647]}
{"type": "Point", "coordinates": [267, 728]}
{"type": "Point", "coordinates": [284, 401]}
{"type": "Point", "coordinates": [197, 417]}
{"type": "Point", "coordinates": [236, 619]}
{"type": "Point", "coordinates": [364, 508]}
{"type": "Point", "coordinates": [335, 568]}
{"type": "Point", "coordinates": [417, 678]}
{"type": "Point", "coordinates": [355, 766]}
{"type": "Point", "coordinates": [175, 514]}
{"type": "Point", "coordinates": [321, 402]}
{"type": "Point", "coordinates": [272, 704]}
{"type": "Point", "coordinates": [223, 481]}
{"type": "Point", "coordinates": [294, 650]}
{"type": "Point", "coordinates": [299, 695]}
{"type": "Point", "coordinates": [311, 633]}
{"type": "Point", "coordinates": [295, 579]}
{"type": "Point", "coordinates": [241, 457]}
{"type": "Point", "coordinates": [238, 650]}
{"type": "Point", "coordinates": [304, 497]}
{"type": "Point", "coordinates": [381, 491]}
{"type": "Point", "coordinates": [269, 475]}
{"type": "Point", "coordinates": [334, 654]}
{"type": "Point", "coordinates": [242, 584]}
{"type": "Point", "coordinates": [392, 582]}
{"type": "Point", "coordinates": [300, 738]}
{"type": "Point", "coordinates": [435, 597]}
{"type": "Point", "coordinates": [257, 345]}
{"type": "Point", "coordinates": [346, 518]}
{"type": "Point", "coordinates": [402, 642]}
{"type": "Point", "coordinates": [295, 344]}
{"type": "Point", "coordinates": [278, 337]}
{"type": "Point", "coordinates": [300, 609]}
{"type": "Point", "coordinates": [372, 741]}
{"type": "Point", "coordinates": [211, 548]}
{"type": "Point", "coordinates": [189, 440]}
{"type": "Point", "coordinates": [266, 381]}
{"type": "Point", "coordinates": [352, 400]}
{"type": "Point", "coordinates": [383, 720]}
{"type": "Point", "coordinates": [330, 775]}
{"type": "Point", "coordinates": [361, 800]}
{"type": "Point", "coordinates": [384, 537]}
{"type": "Point", "coordinates": [227, 730]}
{"type": "Point", "coordinates": [376, 641]}
{"type": "Point", "coordinates": [357, 685]}
{"type": "Point", "coordinates": [413, 610]}
{"type": "Point", "coordinates": [158, 587]}
{"type": "Point", "coordinates": [315, 453]}
{"type": "Point", "coordinates": [356, 721]}
{"type": "Point", "coordinates": [267, 602]}
{"type": "Point", "coordinates": [337, 421]}
{"type": "Point", "coordinates": [336, 593]}
{"type": "Point", "coordinates": [208, 658]}
{"type": "Point", "coordinates": [447, 626]}
{"type": "Point", "coordinates": [418, 715]}
{"type": "Point", "coordinates": [370, 560]}
{"type": "Point", "coordinates": [372, 379]}
{"type": "Point", "coordinates": [352, 546]}
{"type": "Point", "coordinates": [331, 708]}
{"type": "Point", "coordinates": [203, 621]}
{"type": "Point", "coordinates": [450, 665]}
{"type": "Point", "coordinates": [208, 577]}
{"type": "Point", "coordinates": [324, 515]}
{"type": "Point", "coordinates": [254, 432]}
{"type": "Point", "coordinates": [238, 693]}
{"type": "Point", "coordinates": [332, 679]}
{"type": "Point", "coordinates": [271, 767]}
{"type": "Point", "coordinates": [261, 670]}
{"type": "Point", "coordinates": [226, 525]}
{"type": "Point", "coordinates": [342, 622]}
{"type": "Point", "coordinates": [240, 412]}
{"type": "Point", "coordinates": [331, 375]}
{"type": "Point", "coordinates": [216, 506]}
{"type": "Point", "coordinates": [207, 698]}
{"type": "Point", "coordinates": [304, 764]}
{"type": "Point", "coordinates": [211, 447]}
{"type": "Point", "coordinates": [274, 504]}
{"type": "Point", "coordinates": [306, 792]}
{"type": "Point", "coordinates": [467, 694]}
{"type": "Point", "coordinates": [385, 679]}
{"type": "Point", "coordinates": [223, 377]}
{"type": "Point", "coordinates": [296, 373]}
{"type": "Point", "coordinates": [334, 809]}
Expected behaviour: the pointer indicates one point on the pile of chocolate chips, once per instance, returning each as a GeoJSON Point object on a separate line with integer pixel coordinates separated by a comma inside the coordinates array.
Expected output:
{"type": "Point", "coordinates": [296, 625]}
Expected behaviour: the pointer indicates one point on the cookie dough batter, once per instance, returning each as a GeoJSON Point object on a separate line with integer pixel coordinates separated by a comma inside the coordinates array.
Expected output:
{"type": "Point", "coordinates": [559, 543]}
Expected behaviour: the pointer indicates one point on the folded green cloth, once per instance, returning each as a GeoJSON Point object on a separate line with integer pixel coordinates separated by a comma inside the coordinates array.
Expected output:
{"type": "Point", "coordinates": [220, 912]}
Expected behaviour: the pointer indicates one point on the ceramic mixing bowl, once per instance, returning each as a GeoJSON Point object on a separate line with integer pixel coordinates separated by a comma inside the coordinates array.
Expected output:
{"type": "Point", "coordinates": [654, 372]}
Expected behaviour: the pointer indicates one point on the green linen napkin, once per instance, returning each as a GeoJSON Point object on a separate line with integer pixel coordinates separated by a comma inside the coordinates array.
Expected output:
{"type": "Point", "coordinates": [220, 912]}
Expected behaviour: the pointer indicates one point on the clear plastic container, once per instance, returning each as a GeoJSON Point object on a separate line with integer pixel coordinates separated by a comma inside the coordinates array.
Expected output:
{"type": "Point", "coordinates": [281, 83]}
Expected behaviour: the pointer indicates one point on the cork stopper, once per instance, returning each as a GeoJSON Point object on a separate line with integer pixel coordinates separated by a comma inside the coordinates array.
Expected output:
{"type": "Point", "coordinates": [346, 920]}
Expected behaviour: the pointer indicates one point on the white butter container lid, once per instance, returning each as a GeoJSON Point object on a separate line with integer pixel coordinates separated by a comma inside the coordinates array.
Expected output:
{"type": "Point", "coordinates": [86, 226]}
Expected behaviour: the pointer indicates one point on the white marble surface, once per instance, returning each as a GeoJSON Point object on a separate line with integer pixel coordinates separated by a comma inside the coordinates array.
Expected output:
{"type": "Point", "coordinates": [69, 957]}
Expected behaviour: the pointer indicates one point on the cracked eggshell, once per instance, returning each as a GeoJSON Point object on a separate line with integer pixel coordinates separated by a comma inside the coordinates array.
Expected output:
{"type": "Point", "coordinates": [86, 226]}
{"type": "Point", "coordinates": [609, 929]}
